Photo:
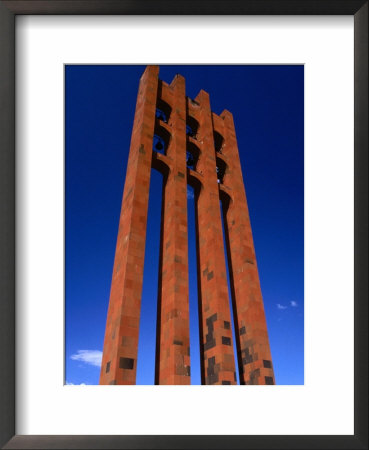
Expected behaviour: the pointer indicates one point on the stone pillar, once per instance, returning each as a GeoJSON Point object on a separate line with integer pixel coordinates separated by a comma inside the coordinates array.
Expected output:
{"type": "Point", "coordinates": [173, 352]}
{"type": "Point", "coordinates": [254, 357]}
{"type": "Point", "coordinates": [218, 366]}
{"type": "Point", "coordinates": [119, 360]}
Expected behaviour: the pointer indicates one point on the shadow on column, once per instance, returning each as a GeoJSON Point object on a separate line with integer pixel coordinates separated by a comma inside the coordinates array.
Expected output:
{"type": "Point", "coordinates": [224, 204]}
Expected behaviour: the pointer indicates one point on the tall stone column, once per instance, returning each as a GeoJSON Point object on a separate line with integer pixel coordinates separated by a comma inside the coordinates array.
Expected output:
{"type": "Point", "coordinates": [254, 357]}
{"type": "Point", "coordinates": [119, 360]}
{"type": "Point", "coordinates": [173, 353]}
{"type": "Point", "coordinates": [217, 354]}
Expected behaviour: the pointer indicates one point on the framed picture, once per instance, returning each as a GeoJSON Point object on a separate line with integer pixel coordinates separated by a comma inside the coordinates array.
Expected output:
{"type": "Point", "coordinates": [60, 59]}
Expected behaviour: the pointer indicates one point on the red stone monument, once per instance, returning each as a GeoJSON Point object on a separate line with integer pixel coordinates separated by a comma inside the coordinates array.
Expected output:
{"type": "Point", "coordinates": [198, 148]}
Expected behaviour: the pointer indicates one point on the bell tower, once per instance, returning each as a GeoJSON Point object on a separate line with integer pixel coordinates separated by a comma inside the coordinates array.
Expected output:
{"type": "Point", "coordinates": [188, 144]}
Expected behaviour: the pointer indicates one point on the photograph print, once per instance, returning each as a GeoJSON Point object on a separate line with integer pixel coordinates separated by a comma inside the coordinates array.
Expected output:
{"type": "Point", "coordinates": [184, 225]}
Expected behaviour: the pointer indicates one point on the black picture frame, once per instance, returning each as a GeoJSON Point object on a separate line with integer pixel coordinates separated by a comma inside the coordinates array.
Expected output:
{"type": "Point", "coordinates": [8, 12]}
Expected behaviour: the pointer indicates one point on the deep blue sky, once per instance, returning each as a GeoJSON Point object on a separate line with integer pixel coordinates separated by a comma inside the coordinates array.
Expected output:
{"type": "Point", "coordinates": [268, 107]}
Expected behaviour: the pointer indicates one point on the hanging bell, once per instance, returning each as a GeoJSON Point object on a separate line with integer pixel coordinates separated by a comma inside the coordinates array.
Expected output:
{"type": "Point", "coordinates": [159, 146]}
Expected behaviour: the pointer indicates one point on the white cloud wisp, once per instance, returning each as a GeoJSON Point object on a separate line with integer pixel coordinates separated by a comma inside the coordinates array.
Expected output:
{"type": "Point", "coordinates": [279, 306]}
{"type": "Point", "coordinates": [92, 357]}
